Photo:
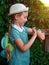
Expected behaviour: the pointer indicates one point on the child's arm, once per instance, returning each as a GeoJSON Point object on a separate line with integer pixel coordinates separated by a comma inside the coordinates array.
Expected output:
{"type": "Point", "coordinates": [24, 47]}
{"type": "Point", "coordinates": [30, 31]}
{"type": "Point", "coordinates": [41, 35]}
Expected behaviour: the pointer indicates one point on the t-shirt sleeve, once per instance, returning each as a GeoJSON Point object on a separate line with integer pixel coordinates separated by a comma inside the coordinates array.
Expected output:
{"type": "Point", "coordinates": [14, 35]}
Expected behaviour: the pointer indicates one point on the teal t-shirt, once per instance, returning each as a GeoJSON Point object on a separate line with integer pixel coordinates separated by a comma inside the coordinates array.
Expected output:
{"type": "Point", "coordinates": [19, 57]}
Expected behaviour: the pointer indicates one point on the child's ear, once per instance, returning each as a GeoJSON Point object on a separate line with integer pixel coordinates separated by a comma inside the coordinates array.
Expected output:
{"type": "Point", "coordinates": [16, 16]}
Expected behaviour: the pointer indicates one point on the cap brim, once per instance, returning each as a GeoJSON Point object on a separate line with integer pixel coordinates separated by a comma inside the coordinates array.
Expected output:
{"type": "Point", "coordinates": [26, 9]}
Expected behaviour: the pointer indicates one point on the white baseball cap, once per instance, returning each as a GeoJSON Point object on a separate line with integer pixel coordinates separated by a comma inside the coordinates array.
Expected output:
{"type": "Point", "coordinates": [17, 8]}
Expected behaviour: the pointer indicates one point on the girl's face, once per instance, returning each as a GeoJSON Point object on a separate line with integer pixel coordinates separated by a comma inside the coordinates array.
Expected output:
{"type": "Point", "coordinates": [21, 20]}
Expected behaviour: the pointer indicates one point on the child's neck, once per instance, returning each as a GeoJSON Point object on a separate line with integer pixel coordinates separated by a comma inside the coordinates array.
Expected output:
{"type": "Point", "coordinates": [18, 25]}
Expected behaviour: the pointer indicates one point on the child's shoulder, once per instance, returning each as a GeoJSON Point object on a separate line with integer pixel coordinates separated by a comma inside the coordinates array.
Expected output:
{"type": "Point", "coordinates": [14, 30]}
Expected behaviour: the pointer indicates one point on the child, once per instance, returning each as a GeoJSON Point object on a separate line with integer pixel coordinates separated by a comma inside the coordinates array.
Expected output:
{"type": "Point", "coordinates": [19, 35]}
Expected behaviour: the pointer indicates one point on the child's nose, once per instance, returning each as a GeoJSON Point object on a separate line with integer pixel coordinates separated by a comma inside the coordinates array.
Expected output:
{"type": "Point", "coordinates": [26, 19]}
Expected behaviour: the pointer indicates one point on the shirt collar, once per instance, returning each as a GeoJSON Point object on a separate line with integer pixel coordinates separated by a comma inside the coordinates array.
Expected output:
{"type": "Point", "coordinates": [18, 28]}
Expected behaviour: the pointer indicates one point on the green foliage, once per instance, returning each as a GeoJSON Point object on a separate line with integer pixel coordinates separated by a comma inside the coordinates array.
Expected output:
{"type": "Point", "coordinates": [38, 17]}
{"type": "Point", "coordinates": [38, 55]}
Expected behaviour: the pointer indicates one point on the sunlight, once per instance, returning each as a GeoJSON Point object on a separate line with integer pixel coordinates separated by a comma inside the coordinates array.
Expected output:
{"type": "Point", "coordinates": [45, 2]}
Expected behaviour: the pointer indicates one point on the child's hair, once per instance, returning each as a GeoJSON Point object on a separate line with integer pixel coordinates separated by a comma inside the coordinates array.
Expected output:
{"type": "Point", "coordinates": [12, 17]}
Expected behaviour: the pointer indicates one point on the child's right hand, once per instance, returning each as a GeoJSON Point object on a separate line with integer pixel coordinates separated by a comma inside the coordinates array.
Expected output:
{"type": "Point", "coordinates": [34, 32]}
{"type": "Point", "coordinates": [41, 34]}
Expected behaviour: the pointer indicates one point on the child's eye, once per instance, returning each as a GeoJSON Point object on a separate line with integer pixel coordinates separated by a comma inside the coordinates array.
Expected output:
{"type": "Point", "coordinates": [25, 17]}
